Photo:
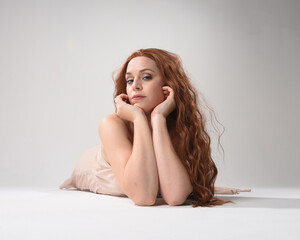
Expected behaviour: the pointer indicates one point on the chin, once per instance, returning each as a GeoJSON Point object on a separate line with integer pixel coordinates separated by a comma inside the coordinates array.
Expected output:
{"type": "Point", "coordinates": [145, 109]}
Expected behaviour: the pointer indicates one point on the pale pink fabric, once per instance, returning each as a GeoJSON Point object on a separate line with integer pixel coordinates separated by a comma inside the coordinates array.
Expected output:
{"type": "Point", "coordinates": [94, 174]}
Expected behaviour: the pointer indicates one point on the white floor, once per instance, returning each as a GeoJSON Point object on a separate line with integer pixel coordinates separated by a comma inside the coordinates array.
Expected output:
{"type": "Point", "coordinates": [71, 214]}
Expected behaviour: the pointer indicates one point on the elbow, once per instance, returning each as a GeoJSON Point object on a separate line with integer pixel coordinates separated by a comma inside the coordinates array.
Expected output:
{"type": "Point", "coordinates": [141, 197]}
{"type": "Point", "coordinates": [175, 201]}
{"type": "Point", "coordinates": [144, 201]}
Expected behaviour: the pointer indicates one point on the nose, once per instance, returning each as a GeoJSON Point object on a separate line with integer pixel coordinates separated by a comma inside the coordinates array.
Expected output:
{"type": "Point", "coordinates": [137, 84]}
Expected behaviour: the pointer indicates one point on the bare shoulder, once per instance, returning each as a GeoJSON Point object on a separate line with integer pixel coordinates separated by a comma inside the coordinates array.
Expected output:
{"type": "Point", "coordinates": [115, 129]}
{"type": "Point", "coordinates": [112, 121]}
{"type": "Point", "coordinates": [117, 146]}
{"type": "Point", "coordinates": [111, 118]}
{"type": "Point", "coordinates": [112, 124]}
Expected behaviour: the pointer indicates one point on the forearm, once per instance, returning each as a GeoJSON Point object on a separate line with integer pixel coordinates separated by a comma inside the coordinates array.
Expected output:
{"type": "Point", "coordinates": [141, 177]}
{"type": "Point", "coordinates": [173, 177]}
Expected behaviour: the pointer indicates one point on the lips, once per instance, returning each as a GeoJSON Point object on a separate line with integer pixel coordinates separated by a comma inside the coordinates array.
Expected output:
{"type": "Point", "coordinates": [137, 97]}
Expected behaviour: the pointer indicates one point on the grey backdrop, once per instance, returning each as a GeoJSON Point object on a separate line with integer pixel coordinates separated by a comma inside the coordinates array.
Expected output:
{"type": "Point", "coordinates": [57, 58]}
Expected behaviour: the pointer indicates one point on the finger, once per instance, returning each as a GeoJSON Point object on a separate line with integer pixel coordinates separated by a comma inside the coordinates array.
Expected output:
{"type": "Point", "coordinates": [167, 90]}
{"type": "Point", "coordinates": [122, 97]}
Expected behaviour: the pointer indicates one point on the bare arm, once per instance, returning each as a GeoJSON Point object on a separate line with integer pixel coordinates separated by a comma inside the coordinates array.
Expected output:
{"type": "Point", "coordinates": [134, 163]}
{"type": "Point", "coordinates": [140, 174]}
{"type": "Point", "coordinates": [175, 185]}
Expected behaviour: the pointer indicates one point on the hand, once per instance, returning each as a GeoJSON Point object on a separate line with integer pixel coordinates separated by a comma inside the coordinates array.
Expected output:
{"type": "Point", "coordinates": [167, 106]}
{"type": "Point", "coordinates": [225, 190]}
{"type": "Point", "coordinates": [125, 110]}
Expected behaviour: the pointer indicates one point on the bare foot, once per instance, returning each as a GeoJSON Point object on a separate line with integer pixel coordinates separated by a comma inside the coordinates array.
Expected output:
{"type": "Point", "coordinates": [226, 190]}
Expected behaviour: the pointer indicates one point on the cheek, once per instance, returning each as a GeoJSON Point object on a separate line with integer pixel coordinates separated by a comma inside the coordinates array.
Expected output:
{"type": "Point", "coordinates": [127, 93]}
{"type": "Point", "coordinates": [159, 96]}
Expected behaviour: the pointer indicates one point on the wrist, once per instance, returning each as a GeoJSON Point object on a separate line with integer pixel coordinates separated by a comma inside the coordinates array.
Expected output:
{"type": "Point", "coordinates": [139, 118]}
{"type": "Point", "coordinates": [158, 118]}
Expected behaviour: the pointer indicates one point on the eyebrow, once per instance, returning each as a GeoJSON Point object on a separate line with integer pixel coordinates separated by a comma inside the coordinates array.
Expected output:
{"type": "Point", "coordinates": [143, 70]}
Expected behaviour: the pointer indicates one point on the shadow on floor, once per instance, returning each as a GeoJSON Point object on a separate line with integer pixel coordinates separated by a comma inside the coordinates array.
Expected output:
{"type": "Point", "coordinates": [249, 202]}
{"type": "Point", "coordinates": [242, 202]}
{"type": "Point", "coordinates": [260, 202]}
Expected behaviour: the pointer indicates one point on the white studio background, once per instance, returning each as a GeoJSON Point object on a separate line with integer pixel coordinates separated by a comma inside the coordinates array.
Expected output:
{"type": "Point", "coordinates": [57, 59]}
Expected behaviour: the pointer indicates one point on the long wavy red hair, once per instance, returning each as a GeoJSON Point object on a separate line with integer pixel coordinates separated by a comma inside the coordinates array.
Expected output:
{"type": "Point", "coordinates": [187, 123]}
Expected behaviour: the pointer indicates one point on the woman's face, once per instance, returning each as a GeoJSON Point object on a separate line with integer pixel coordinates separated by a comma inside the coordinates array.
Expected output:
{"type": "Point", "coordinates": [143, 77]}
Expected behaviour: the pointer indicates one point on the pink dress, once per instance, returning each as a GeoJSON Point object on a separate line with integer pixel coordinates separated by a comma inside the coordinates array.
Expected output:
{"type": "Point", "coordinates": [93, 173]}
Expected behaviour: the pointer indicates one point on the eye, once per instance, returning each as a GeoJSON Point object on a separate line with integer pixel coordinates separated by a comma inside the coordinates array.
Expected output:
{"type": "Point", "coordinates": [129, 81]}
{"type": "Point", "coordinates": [148, 77]}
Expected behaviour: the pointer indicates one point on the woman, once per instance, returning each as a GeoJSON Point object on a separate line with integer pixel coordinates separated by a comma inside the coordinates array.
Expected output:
{"type": "Point", "coordinates": [156, 142]}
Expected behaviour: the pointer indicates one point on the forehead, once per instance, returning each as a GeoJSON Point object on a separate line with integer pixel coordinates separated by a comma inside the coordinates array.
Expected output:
{"type": "Point", "coordinates": [138, 63]}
